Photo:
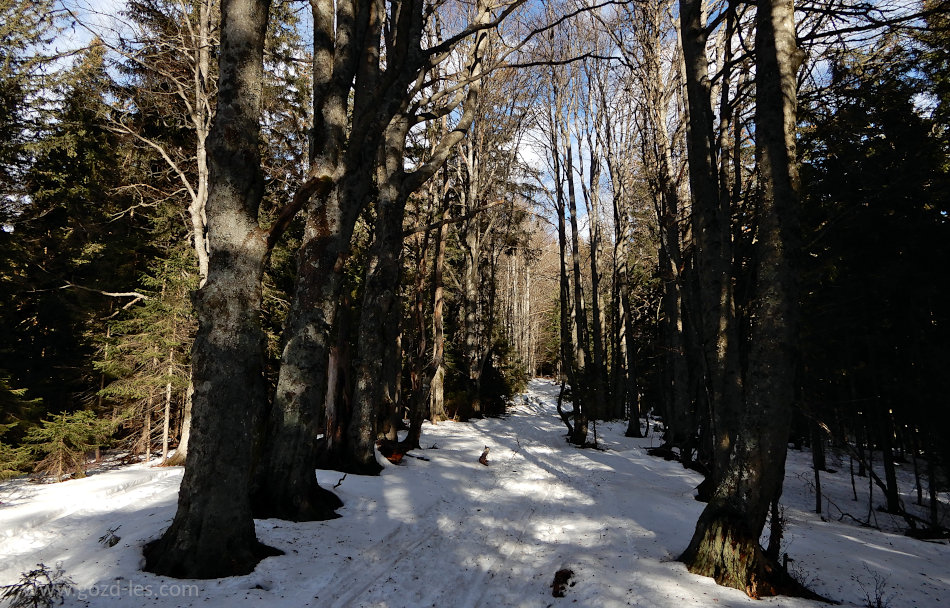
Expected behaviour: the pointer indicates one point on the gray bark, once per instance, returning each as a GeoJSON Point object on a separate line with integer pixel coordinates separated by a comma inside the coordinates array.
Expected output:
{"type": "Point", "coordinates": [725, 544]}
{"type": "Point", "coordinates": [181, 451]}
{"type": "Point", "coordinates": [582, 391]}
{"type": "Point", "coordinates": [437, 400]}
{"type": "Point", "coordinates": [658, 152]}
{"type": "Point", "coordinates": [377, 372]}
{"type": "Point", "coordinates": [598, 371]}
{"type": "Point", "coordinates": [285, 484]}
{"type": "Point", "coordinates": [346, 138]}
{"type": "Point", "coordinates": [711, 217]}
{"type": "Point", "coordinates": [212, 534]}
{"type": "Point", "coordinates": [374, 394]}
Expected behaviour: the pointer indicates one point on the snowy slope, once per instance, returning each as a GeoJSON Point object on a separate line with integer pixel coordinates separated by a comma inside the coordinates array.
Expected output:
{"type": "Point", "coordinates": [451, 532]}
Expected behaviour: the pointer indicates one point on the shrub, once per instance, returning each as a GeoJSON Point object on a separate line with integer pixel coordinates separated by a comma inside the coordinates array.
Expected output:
{"type": "Point", "coordinates": [41, 586]}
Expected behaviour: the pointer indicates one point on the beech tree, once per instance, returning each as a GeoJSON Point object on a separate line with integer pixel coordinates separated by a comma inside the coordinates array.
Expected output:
{"type": "Point", "coordinates": [339, 187]}
{"type": "Point", "coordinates": [726, 542]}
{"type": "Point", "coordinates": [214, 508]}
{"type": "Point", "coordinates": [229, 336]}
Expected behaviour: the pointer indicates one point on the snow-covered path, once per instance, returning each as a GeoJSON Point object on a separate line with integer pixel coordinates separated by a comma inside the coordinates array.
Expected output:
{"type": "Point", "coordinates": [450, 532]}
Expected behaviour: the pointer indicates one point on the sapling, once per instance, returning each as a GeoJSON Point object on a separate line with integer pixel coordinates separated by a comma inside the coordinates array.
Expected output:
{"type": "Point", "coordinates": [41, 586]}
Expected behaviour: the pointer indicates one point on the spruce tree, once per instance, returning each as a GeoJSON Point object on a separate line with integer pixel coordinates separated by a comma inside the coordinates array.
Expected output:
{"type": "Point", "coordinates": [62, 443]}
{"type": "Point", "coordinates": [72, 246]}
{"type": "Point", "coordinates": [147, 353]}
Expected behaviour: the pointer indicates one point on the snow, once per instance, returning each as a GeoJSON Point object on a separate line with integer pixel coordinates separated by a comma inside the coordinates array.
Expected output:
{"type": "Point", "coordinates": [451, 532]}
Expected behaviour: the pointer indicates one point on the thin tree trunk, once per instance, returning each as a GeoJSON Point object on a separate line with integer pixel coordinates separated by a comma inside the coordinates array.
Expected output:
{"type": "Point", "coordinates": [418, 375]}
{"type": "Point", "coordinates": [598, 356]}
{"type": "Point", "coordinates": [168, 405]}
{"type": "Point", "coordinates": [181, 452]}
{"type": "Point", "coordinates": [437, 401]}
{"type": "Point", "coordinates": [583, 395]}
{"type": "Point", "coordinates": [932, 488]}
{"type": "Point", "coordinates": [147, 428]}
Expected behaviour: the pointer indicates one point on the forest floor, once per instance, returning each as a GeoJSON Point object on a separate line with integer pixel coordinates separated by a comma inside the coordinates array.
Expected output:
{"type": "Point", "coordinates": [446, 531]}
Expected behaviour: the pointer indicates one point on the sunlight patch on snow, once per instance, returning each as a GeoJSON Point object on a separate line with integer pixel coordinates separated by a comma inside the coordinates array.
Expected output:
{"type": "Point", "coordinates": [875, 546]}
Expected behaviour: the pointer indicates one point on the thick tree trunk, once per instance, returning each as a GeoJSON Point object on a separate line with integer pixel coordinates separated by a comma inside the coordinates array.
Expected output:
{"type": "Point", "coordinates": [285, 485]}
{"type": "Point", "coordinates": [284, 481]}
{"type": "Point", "coordinates": [375, 390]}
{"type": "Point", "coordinates": [711, 231]}
{"type": "Point", "coordinates": [212, 534]}
{"type": "Point", "coordinates": [725, 545]}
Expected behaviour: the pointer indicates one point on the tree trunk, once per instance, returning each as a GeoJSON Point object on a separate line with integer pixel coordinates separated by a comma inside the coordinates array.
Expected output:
{"type": "Point", "coordinates": [583, 395]}
{"type": "Point", "coordinates": [471, 251]}
{"type": "Point", "coordinates": [147, 427]}
{"type": "Point", "coordinates": [285, 485]}
{"type": "Point", "coordinates": [375, 391]}
{"type": "Point", "coordinates": [419, 374]}
{"type": "Point", "coordinates": [212, 534]}
{"type": "Point", "coordinates": [599, 361]}
{"type": "Point", "coordinates": [437, 400]}
{"type": "Point", "coordinates": [201, 117]}
{"type": "Point", "coordinates": [168, 406]}
{"type": "Point", "coordinates": [726, 542]}
{"type": "Point", "coordinates": [711, 232]}
{"type": "Point", "coordinates": [181, 452]}
{"type": "Point", "coordinates": [681, 427]}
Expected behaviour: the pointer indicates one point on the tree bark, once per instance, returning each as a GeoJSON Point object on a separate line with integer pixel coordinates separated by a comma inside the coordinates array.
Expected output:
{"type": "Point", "coordinates": [582, 391]}
{"type": "Point", "coordinates": [374, 392]}
{"type": "Point", "coordinates": [658, 153]}
{"type": "Point", "coordinates": [725, 545]}
{"type": "Point", "coordinates": [212, 534]}
{"type": "Point", "coordinates": [166, 421]}
{"type": "Point", "coordinates": [711, 216]}
{"type": "Point", "coordinates": [437, 399]}
{"type": "Point", "coordinates": [598, 372]}
{"type": "Point", "coordinates": [285, 484]}
{"type": "Point", "coordinates": [181, 451]}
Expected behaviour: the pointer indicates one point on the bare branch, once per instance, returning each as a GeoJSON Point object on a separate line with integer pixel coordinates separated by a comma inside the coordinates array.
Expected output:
{"type": "Point", "coordinates": [452, 220]}
{"type": "Point", "coordinates": [315, 186]}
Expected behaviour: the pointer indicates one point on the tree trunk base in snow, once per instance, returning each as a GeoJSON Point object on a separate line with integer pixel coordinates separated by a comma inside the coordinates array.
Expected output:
{"type": "Point", "coordinates": [176, 554]}
{"type": "Point", "coordinates": [579, 435]}
{"type": "Point", "coordinates": [175, 460]}
{"type": "Point", "coordinates": [340, 459]}
{"type": "Point", "coordinates": [725, 551]}
{"type": "Point", "coordinates": [634, 429]}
